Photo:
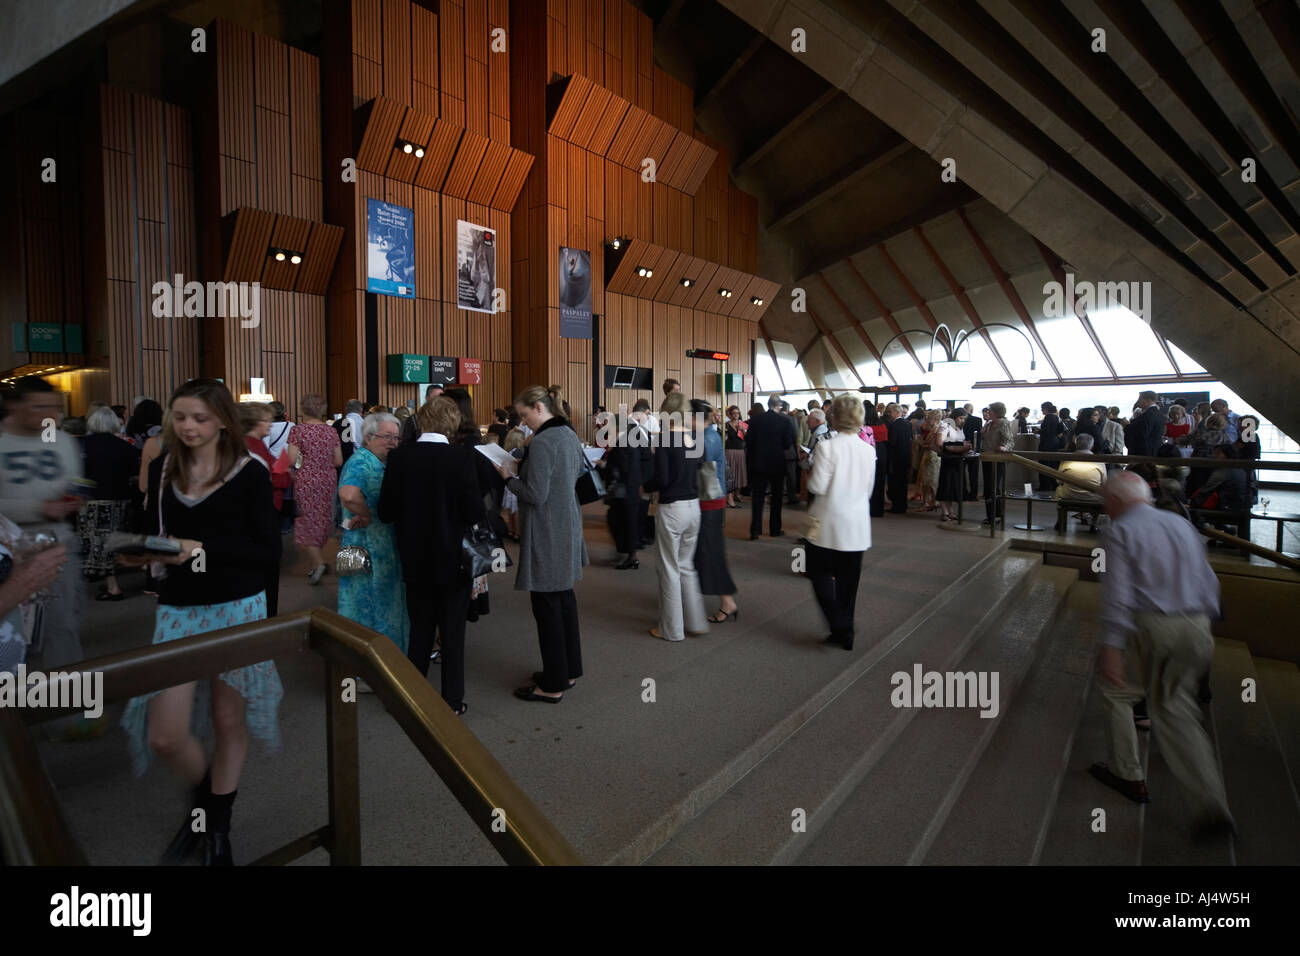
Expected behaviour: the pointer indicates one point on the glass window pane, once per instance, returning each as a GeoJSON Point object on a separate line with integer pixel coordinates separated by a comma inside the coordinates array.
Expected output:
{"type": "Point", "coordinates": [1130, 343]}
{"type": "Point", "coordinates": [1185, 362]}
{"type": "Point", "coordinates": [1071, 348]}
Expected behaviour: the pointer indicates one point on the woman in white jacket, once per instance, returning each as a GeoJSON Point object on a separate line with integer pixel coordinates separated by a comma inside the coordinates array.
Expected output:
{"type": "Point", "coordinates": [843, 474]}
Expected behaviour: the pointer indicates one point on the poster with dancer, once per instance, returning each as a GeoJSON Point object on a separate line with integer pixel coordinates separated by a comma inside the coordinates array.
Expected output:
{"type": "Point", "coordinates": [575, 293]}
{"type": "Point", "coordinates": [476, 266]}
{"type": "Point", "coordinates": [390, 249]}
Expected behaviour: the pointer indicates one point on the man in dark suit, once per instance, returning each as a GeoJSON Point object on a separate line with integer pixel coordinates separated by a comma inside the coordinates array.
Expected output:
{"type": "Point", "coordinates": [1146, 432]}
{"type": "Point", "coordinates": [770, 434]}
{"type": "Point", "coordinates": [974, 425]}
{"type": "Point", "coordinates": [900, 457]}
{"type": "Point", "coordinates": [431, 496]}
{"type": "Point", "coordinates": [1051, 437]}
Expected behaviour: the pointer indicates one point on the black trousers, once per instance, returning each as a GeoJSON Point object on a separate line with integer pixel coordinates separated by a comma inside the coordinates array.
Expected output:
{"type": "Point", "coordinates": [877, 490]}
{"type": "Point", "coordinates": [1044, 482]}
{"type": "Point", "coordinates": [995, 483]}
{"type": "Point", "coordinates": [834, 576]}
{"type": "Point", "coordinates": [441, 612]}
{"type": "Point", "coordinates": [972, 466]}
{"type": "Point", "coordinates": [556, 614]}
{"type": "Point", "coordinates": [898, 490]}
{"type": "Point", "coordinates": [759, 484]}
{"type": "Point", "coordinates": [792, 481]}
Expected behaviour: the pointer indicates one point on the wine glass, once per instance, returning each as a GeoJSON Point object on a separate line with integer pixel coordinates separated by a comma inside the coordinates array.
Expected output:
{"type": "Point", "coordinates": [1263, 503]}
{"type": "Point", "coordinates": [28, 545]}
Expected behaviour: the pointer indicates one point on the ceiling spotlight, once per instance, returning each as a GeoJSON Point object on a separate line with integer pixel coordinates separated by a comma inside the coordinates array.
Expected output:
{"type": "Point", "coordinates": [641, 271]}
{"type": "Point", "coordinates": [688, 282]}
{"type": "Point", "coordinates": [616, 243]}
{"type": "Point", "coordinates": [649, 273]}
{"type": "Point", "coordinates": [407, 147]}
{"type": "Point", "coordinates": [755, 300]}
{"type": "Point", "coordinates": [295, 259]}
{"type": "Point", "coordinates": [725, 293]}
{"type": "Point", "coordinates": [279, 255]}
{"type": "Point", "coordinates": [419, 152]}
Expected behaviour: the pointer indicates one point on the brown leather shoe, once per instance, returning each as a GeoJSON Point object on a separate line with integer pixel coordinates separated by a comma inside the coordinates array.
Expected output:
{"type": "Point", "coordinates": [1135, 790]}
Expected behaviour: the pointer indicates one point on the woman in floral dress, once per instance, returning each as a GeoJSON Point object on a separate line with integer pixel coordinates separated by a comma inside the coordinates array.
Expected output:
{"type": "Point", "coordinates": [315, 446]}
{"type": "Point", "coordinates": [378, 599]}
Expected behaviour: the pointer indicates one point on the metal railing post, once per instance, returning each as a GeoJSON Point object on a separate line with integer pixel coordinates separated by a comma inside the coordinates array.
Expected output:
{"type": "Point", "coordinates": [342, 768]}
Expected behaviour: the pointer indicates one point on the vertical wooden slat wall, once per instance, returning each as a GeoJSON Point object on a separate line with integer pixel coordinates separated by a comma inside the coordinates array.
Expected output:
{"type": "Point", "coordinates": [580, 198]}
{"type": "Point", "coordinates": [443, 65]}
{"type": "Point", "coordinates": [264, 127]}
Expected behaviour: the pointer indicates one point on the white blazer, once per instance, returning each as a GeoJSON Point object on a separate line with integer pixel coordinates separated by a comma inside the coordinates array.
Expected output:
{"type": "Point", "coordinates": [843, 473]}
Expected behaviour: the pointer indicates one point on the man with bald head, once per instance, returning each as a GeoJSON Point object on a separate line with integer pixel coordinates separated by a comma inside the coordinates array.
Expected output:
{"type": "Point", "coordinates": [1158, 594]}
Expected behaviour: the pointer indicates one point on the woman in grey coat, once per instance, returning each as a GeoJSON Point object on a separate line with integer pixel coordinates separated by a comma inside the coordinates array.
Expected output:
{"type": "Point", "coordinates": [552, 552]}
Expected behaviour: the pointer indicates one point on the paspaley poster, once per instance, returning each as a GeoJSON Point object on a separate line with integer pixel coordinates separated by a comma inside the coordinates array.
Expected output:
{"type": "Point", "coordinates": [390, 249]}
{"type": "Point", "coordinates": [575, 293]}
{"type": "Point", "coordinates": [476, 266]}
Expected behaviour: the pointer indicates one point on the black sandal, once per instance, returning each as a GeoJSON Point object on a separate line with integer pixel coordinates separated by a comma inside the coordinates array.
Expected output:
{"type": "Point", "coordinates": [530, 693]}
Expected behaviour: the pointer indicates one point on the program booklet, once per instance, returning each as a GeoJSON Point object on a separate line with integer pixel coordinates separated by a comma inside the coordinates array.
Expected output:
{"type": "Point", "coordinates": [124, 542]}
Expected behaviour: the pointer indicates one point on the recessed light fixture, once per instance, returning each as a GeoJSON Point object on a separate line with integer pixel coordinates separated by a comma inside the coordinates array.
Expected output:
{"type": "Point", "coordinates": [419, 152]}
{"type": "Point", "coordinates": [644, 272]}
{"type": "Point", "coordinates": [279, 255]}
{"type": "Point", "coordinates": [282, 255]}
{"type": "Point", "coordinates": [725, 293]}
{"type": "Point", "coordinates": [407, 147]}
{"type": "Point", "coordinates": [688, 282]}
{"type": "Point", "coordinates": [755, 300]}
{"type": "Point", "coordinates": [616, 243]}
{"type": "Point", "coordinates": [295, 259]}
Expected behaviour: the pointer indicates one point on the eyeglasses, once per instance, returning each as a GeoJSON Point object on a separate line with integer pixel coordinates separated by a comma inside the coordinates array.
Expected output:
{"type": "Point", "coordinates": [392, 436]}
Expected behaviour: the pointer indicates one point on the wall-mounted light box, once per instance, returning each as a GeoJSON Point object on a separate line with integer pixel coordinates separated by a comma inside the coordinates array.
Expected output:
{"type": "Point", "coordinates": [46, 337]}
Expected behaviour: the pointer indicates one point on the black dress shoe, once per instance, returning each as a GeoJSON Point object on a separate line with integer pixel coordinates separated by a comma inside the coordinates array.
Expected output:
{"type": "Point", "coordinates": [530, 693]}
{"type": "Point", "coordinates": [537, 679]}
{"type": "Point", "coordinates": [628, 564]}
{"type": "Point", "coordinates": [216, 850]}
{"type": "Point", "coordinates": [185, 844]}
{"type": "Point", "coordinates": [778, 534]}
{"type": "Point", "coordinates": [1135, 790]}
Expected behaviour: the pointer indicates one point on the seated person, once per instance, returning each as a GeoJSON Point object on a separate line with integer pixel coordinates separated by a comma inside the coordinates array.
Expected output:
{"type": "Point", "coordinates": [1086, 470]}
{"type": "Point", "coordinates": [1225, 489]}
{"type": "Point", "coordinates": [1166, 492]}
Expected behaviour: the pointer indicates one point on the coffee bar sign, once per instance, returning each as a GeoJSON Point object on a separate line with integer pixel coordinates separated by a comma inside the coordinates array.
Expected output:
{"type": "Point", "coordinates": [434, 370]}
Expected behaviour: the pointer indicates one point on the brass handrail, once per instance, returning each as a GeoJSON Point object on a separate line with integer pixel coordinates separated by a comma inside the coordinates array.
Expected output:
{"type": "Point", "coordinates": [513, 824]}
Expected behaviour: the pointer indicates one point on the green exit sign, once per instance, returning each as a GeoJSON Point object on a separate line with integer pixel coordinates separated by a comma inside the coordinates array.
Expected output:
{"type": "Point", "coordinates": [46, 337]}
{"type": "Point", "coordinates": [408, 368]}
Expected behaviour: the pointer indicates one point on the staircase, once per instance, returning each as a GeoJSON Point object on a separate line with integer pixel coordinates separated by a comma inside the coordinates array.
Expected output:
{"type": "Point", "coordinates": [861, 781]}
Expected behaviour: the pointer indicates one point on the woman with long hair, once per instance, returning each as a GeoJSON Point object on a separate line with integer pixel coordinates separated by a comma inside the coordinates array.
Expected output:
{"type": "Point", "coordinates": [927, 475]}
{"type": "Point", "coordinates": [145, 422]}
{"type": "Point", "coordinates": [734, 446]}
{"type": "Point", "coordinates": [317, 454]}
{"type": "Point", "coordinates": [489, 482]}
{"type": "Point", "coordinates": [209, 498]}
{"type": "Point", "coordinates": [255, 419]}
{"type": "Point", "coordinates": [710, 546]}
{"type": "Point", "coordinates": [112, 463]}
{"type": "Point", "coordinates": [552, 553]}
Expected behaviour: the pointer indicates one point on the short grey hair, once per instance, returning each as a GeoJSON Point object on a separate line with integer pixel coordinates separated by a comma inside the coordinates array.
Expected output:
{"type": "Point", "coordinates": [774, 400]}
{"type": "Point", "coordinates": [1083, 442]}
{"type": "Point", "coordinates": [1128, 487]}
{"type": "Point", "coordinates": [103, 421]}
{"type": "Point", "coordinates": [817, 415]}
{"type": "Point", "coordinates": [354, 405]}
{"type": "Point", "coordinates": [370, 424]}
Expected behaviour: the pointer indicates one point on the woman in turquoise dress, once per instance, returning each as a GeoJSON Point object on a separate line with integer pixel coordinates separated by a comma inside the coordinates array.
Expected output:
{"type": "Point", "coordinates": [377, 599]}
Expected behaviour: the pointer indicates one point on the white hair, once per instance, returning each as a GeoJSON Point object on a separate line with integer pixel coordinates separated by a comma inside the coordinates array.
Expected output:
{"type": "Point", "coordinates": [370, 424]}
{"type": "Point", "coordinates": [1128, 487]}
{"type": "Point", "coordinates": [817, 414]}
{"type": "Point", "coordinates": [1083, 442]}
{"type": "Point", "coordinates": [103, 421]}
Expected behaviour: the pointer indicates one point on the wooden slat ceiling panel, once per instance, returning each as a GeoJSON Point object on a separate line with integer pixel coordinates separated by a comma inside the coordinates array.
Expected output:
{"type": "Point", "coordinates": [416, 129]}
{"type": "Point", "coordinates": [705, 289]}
{"type": "Point", "coordinates": [686, 267]}
{"type": "Point", "coordinates": [611, 118]}
{"type": "Point", "coordinates": [657, 287]}
{"type": "Point", "coordinates": [322, 249]}
{"type": "Point", "coordinates": [704, 162]}
{"type": "Point", "coordinates": [289, 234]}
{"type": "Point", "coordinates": [443, 142]}
{"type": "Point", "coordinates": [645, 139]}
{"type": "Point", "coordinates": [512, 181]}
{"type": "Point", "coordinates": [629, 132]}
{"type": "Point", "coordinates": [465, 165]}
{"type": "Point", "coordinates": [627, 266]}
{"type": "Point", "coordinates": [673, 169]}
{"type": "Point", "coordinates": [570, 105]}
{"type": "Point", "coordinates": [590, 115]}
{"type": "Point", "coordinates": [248, 244]}
{"type": "Point", "coordinates": [380, 134]}
{"type": "Point", "coordinates": [490, 171]}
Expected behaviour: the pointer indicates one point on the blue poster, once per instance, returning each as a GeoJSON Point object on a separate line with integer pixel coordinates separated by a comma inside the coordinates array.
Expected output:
{"type": "Point", "coordinates": [390, 249]}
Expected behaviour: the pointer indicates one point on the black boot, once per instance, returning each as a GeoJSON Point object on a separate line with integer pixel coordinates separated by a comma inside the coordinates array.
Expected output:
{"type": "Point", "coordinates": [216, 846]}
{"type": "Point", "coordinates": [187, 840]}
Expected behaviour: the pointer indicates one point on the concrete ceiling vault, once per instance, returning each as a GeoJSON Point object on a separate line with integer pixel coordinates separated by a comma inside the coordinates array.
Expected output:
{"type": "Point", "coordinates": [1119, 166]}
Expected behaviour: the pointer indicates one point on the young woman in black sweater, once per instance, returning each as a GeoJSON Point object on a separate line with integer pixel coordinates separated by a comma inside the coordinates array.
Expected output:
{"type": "Point", "coordinates": [204, 495]}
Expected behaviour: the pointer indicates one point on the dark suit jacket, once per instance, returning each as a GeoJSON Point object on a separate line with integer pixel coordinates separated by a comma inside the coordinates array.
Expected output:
{"type": "Point", "coordinates": [630, 462]}
{"type": "Point", "coordinates": [769, 435]}
{"type": "Point", "coordinates": [1051, 435]}
{"type": "Point", "coordinates": [431, 496]}
{"type": "Point", "coordinates": [1146, 433]}
{"type": "Point", "coordinates": [972, 429]}
{"type": "Point", "coordinates": [900, 445]}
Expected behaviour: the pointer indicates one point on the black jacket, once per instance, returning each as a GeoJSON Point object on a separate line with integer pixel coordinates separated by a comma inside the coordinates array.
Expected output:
{"type": "Point", "coordinates": [431, 496]}
{"type": "Point", "coordinates": [1146, 432]}
{"type": "Point", "coordinates": [769, 435]}
{"type": "Point", "coordinates": [1051, 434]}
{"type": "Point", "coordinates": [113, 465]}
{"type": "Point", "coordinates": [900, 445]}
{"type": "Point", "coordinates": [630, 464]}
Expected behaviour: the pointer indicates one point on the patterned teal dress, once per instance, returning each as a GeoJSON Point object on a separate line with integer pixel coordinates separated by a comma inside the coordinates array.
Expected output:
{"type": "Point", "coordinates": [378, 599]}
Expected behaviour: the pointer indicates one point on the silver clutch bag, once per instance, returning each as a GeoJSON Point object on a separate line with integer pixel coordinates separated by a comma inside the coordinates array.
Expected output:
{"type": "Point", "coordinates": [352, 559]}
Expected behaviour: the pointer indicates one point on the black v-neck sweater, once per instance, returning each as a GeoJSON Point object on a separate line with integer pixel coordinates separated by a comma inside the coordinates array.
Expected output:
{"type": "Point", "coordinates": [240, 531]}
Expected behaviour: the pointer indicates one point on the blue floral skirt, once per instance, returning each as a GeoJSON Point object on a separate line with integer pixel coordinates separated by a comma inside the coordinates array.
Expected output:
{"type": "Point", "coordinates": [259, 684]}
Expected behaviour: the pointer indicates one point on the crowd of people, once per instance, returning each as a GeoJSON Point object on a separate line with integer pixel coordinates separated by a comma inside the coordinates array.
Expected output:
{"type": "Point", "coordinates": [408, 494]}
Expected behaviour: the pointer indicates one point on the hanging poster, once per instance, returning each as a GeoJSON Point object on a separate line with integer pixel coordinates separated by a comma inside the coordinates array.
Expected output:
{"type": "Point", "coordinates": [575, 293]}
{"type": "Point", "coordinates": [476, 266]}
{"type": "Point", "coordinates": [390, 249]}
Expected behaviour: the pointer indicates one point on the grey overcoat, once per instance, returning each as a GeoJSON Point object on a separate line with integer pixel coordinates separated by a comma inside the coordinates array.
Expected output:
{"type": "Point", "coordinates": [552, 553]}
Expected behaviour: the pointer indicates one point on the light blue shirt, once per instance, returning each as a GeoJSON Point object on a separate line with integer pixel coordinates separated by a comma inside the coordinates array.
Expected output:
{"type": "Point", "coordinates": [1155, 563]}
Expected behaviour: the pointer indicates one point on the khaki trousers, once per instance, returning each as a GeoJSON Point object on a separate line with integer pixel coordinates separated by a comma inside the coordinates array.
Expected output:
{"type": "Point", "coordinates": [677, 526]}
{"type": "Point", "coordinates": [1165, 661]}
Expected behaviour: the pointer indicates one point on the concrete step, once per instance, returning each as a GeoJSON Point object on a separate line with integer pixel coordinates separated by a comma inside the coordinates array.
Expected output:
{"type": "Point", "coordinates": [894, 815]}
{"type": "Point", "coordinates": [1279, 688]}
{"type": "Point", "coordinates": [820, 759]}
{"type": "Point", "coordinates": [1002, 814]}
{"type": "Point", "coordinates": [1260, 790]}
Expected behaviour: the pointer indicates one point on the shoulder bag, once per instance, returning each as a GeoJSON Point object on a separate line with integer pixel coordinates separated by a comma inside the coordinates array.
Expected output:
{"type": "Point", "coordinates": [589, 486]}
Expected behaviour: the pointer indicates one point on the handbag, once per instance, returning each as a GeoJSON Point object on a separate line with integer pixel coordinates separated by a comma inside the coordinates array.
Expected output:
{"type": "Point", "coordinates": [480, 548]}
{"type": "Point", "coordinates": [352, 560]}
{"type": "Point", "coordinates": [590, 486]}
{"type": "Point", "coordinates": [706, 481]}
